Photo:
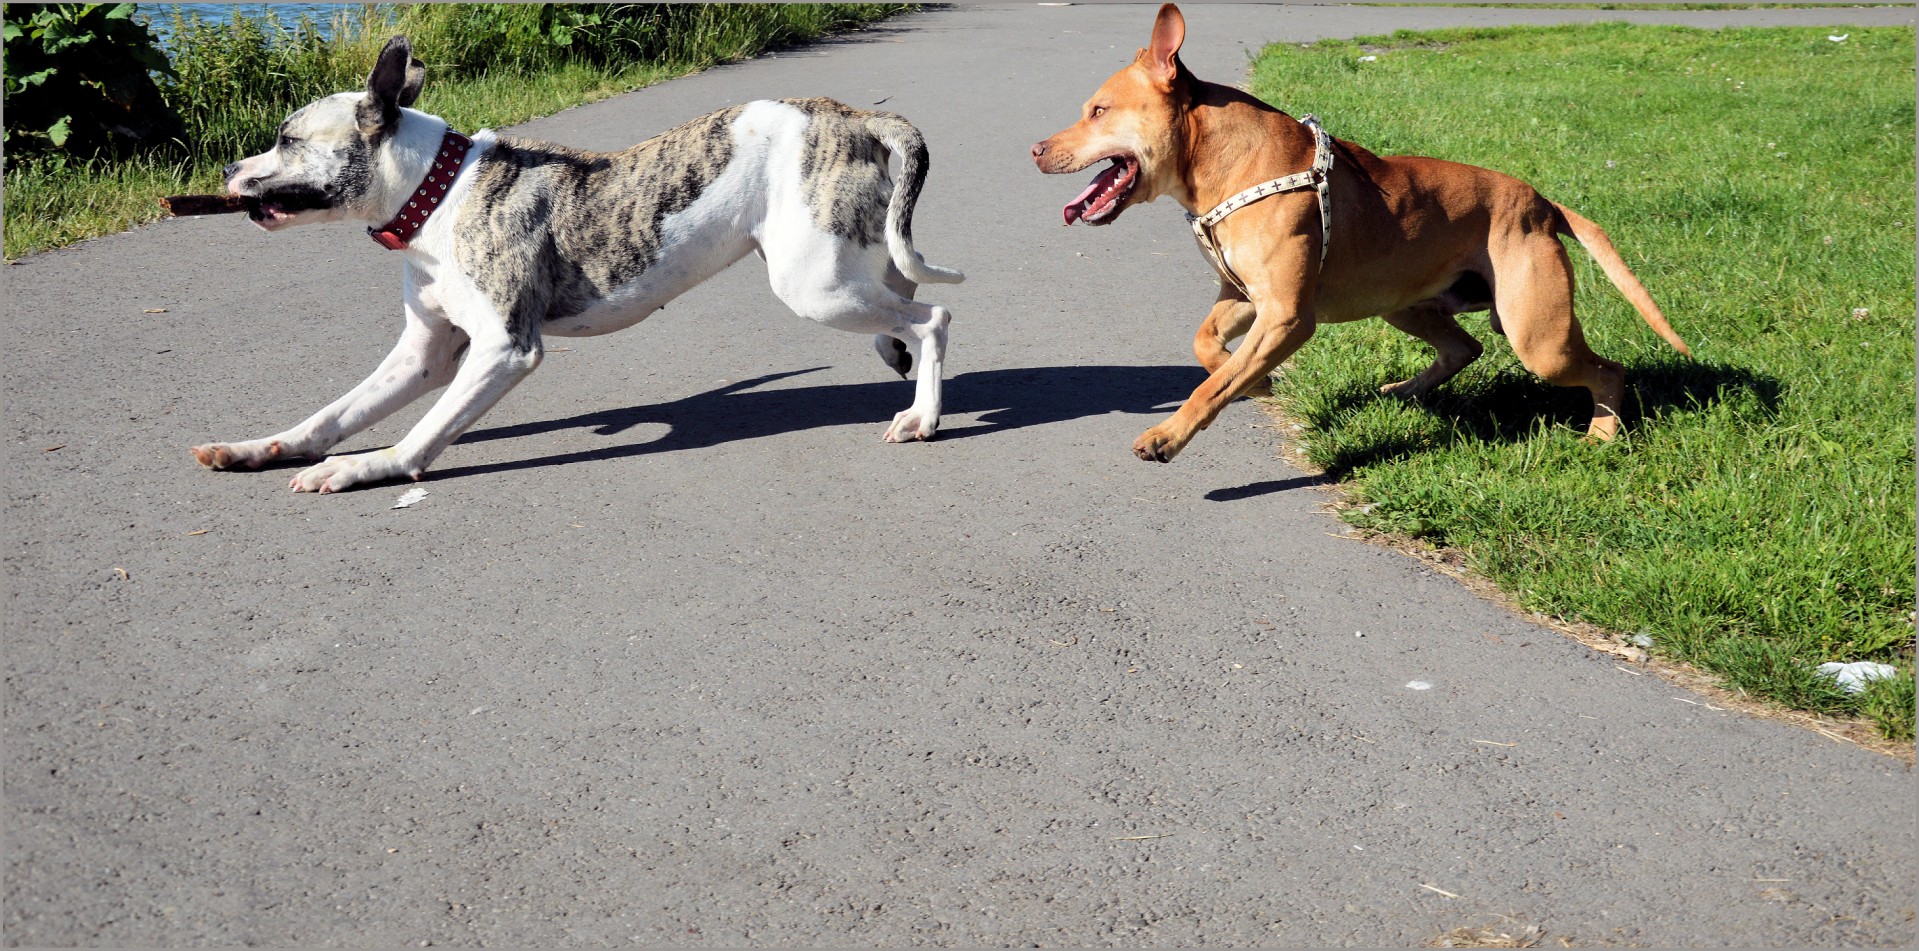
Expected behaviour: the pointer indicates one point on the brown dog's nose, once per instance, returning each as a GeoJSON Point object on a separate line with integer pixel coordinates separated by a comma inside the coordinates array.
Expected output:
{"type": "Point", "coordinates": [1039, 149]}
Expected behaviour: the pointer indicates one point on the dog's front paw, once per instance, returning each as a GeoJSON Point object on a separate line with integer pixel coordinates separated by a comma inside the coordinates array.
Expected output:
{"type": "Point", "coordinates": [251, 454]}
{"type": "Point", "coordinates": [1157, 445]}
{"type": "Point", "coordinates": [338, 473]}
{"type": "Point", "coordinates": [910, 424]}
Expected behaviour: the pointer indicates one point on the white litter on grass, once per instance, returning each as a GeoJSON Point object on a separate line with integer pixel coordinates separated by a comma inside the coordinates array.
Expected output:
{"type": "Point", "coordinates": [1368, 59]}
{"type": "Point", "coordinates": [409, 497]}
{"type": "Point", "coordinates": [1853, 677]}
{"type": "Point", "coordinates": [1419, 685]}
{"type": "Point", "coordinates": [1841, 38]}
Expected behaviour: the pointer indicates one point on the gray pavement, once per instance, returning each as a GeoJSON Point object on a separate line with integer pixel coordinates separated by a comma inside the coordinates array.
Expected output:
{"type": "Point", "coordinates": [678, 652]}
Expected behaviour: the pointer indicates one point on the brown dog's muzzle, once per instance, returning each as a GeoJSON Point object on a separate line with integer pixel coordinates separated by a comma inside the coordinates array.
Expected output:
{"type": "Point", "coordinates": [1109, 191]}
{"type": "Point", "coordinates": [1042, 149]}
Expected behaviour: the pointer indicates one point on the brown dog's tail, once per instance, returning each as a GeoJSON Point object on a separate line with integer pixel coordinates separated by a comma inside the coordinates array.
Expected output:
{"type": "Point", "coordinates": [1622, 277]}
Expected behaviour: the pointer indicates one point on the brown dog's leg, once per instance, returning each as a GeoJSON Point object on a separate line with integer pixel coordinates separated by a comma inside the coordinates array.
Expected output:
{"type": "Point", "coordinates": [1533, 293]}
{"type": "Point", "coordinates": [1435, 325]}
{"type": "Point", "coordinates": [1227, 322]}
{"type": "Point", "coordinates": [1274, 336]}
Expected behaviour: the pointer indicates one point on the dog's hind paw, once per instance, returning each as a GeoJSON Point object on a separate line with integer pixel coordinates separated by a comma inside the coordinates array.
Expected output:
{"type": "Point", "coordinates": [1404, 389]}
{"type": "Point", "coordinates": [894, 353]}
{"type": "Point", "coordinates": [909, 425]}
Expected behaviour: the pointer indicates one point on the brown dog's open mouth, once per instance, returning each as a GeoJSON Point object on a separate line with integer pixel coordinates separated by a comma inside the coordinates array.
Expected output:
{"type": "Point", "coordinates": [1101, 200]}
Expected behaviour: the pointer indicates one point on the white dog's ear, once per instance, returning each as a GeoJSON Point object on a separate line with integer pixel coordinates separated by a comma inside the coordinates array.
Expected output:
{"type": "Point", "coordinates": [415, 78]}
{"type": "Point", "coordinates": [1169, 32]}
{"type": "Point", "coordinates": [394, 84]}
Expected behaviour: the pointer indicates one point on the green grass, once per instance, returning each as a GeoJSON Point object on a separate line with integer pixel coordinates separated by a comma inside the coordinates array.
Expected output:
{"type": "Point", "coordinates": [1628, 5]}
{"type": "Point", "coordinates": [1757, 518]}
{"type": "Point", "coordinates": [488, 65]}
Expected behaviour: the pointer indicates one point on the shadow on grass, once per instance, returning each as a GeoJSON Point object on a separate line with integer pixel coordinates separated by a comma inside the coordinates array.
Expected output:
{"type": "Point", "coordinates": [1513, 404]}
{"type": "Point", "coordinates": [1007, 399]}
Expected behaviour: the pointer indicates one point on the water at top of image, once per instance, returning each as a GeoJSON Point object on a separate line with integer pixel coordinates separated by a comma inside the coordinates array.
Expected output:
{"type": "Point", "coordinates": [159, 16]}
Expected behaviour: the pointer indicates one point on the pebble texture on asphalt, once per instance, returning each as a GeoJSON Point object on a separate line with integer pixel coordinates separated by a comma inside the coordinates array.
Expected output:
{"type": "Point", "coordinates": [678, 652]}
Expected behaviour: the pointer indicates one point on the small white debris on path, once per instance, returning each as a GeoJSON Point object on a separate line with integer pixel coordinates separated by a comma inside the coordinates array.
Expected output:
{"type": "Point", "coordinates": [1418, 685]}
{"type": "Point", "coordinates": [409, 497]}
{"type": "Point", "coordinates": [1853, 677]}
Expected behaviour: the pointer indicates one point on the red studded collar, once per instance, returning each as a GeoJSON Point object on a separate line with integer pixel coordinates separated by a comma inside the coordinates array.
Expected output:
{"type": "Point", "coordinates": [395, 234]}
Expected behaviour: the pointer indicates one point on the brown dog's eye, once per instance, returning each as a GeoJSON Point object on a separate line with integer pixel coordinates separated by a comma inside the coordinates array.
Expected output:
{"type": "Point", "coordinates": [1098, 111]}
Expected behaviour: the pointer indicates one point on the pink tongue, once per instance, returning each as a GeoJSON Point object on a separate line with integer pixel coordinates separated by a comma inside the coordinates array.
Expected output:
{"type": "Point", "coordinates": [1077, 207]}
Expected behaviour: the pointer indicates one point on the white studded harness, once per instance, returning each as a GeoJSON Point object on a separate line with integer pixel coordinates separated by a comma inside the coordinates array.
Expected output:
{"type": "Point", "coordinates": [1317, 178]}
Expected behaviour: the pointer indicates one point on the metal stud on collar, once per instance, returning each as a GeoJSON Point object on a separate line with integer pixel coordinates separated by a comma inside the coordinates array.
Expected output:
{"type": "Point", "coordinates": [395, 234]}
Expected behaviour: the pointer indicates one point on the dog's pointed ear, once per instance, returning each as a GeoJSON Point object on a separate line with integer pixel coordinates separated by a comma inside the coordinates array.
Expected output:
{"type": "Point", "coordinates": [415, 80]}
{"type": "Point", "coordinates": [1162, 57]}
{"type": "Point", "coordinates": [394, 84]}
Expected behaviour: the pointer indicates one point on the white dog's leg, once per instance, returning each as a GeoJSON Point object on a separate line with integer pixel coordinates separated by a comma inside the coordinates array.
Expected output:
{"type": "Point", "coordinates": [891, 349]}
{"type": "Point", "coordinates": [422, 361]}
{"type": "Point", "coordinates": [927, 324]}
{"type": "Point", "coordinates": [920, 326]}
{"type": "Point", "coordinates": [853, 289]}
{"type": "Point", "coordinates": [494, 365]}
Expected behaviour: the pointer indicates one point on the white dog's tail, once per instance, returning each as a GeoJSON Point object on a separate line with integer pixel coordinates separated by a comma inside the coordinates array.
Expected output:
{"type": "Point", "coordinates": [901, 139]}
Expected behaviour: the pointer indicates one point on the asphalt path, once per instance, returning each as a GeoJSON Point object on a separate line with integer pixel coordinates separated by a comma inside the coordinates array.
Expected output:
{"type": "Point", "coordinates": [677, 651]}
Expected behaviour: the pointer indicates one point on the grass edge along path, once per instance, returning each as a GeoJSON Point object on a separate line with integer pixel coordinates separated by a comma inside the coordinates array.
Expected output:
{"type": "Point", "coordinates": [1757, 518]}
{"type": "Point", "coordinates": [1633, 660]}
{"type": "Point", "coordinates": [52, 205]}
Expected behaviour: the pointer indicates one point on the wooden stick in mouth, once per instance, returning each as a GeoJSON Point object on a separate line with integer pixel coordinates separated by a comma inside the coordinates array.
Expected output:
{"type": "Point", "coordinates": [185, 205]}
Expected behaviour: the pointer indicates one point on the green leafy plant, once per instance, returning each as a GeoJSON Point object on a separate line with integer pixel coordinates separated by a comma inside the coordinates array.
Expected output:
{"type": "Point", "coordinates": [79, 81]}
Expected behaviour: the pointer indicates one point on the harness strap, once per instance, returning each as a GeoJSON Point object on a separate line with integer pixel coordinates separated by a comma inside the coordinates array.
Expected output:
{"type": "Point", "coordinates": [1318, 177]}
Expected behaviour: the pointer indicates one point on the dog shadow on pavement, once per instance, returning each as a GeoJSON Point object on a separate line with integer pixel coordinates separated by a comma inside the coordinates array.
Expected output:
{"type": "Point", "coordinates": [1007, 399]}
{"type": "Point", "coordinates": [1511, 405]}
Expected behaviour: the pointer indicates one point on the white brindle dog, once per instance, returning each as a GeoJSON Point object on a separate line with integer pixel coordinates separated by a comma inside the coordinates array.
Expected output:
{"type": "Point", "coordinates": [506, 241]}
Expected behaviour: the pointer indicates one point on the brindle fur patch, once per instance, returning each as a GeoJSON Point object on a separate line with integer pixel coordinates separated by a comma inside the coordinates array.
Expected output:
{"type": "Point", "coordinates": [548, 230]}
{"type": "Point", "coordinates": [843, 169]}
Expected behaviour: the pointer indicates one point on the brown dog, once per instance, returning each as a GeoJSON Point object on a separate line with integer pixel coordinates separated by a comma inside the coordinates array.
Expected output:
{"type": "Point", "coordinates": [1415, 239]}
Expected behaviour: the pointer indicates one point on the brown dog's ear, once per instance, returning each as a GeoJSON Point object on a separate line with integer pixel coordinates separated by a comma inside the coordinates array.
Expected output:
{"type": "Point", "coordinates": [1162, 57]}
{"type": "Point", "coordinates": [394, 84]}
